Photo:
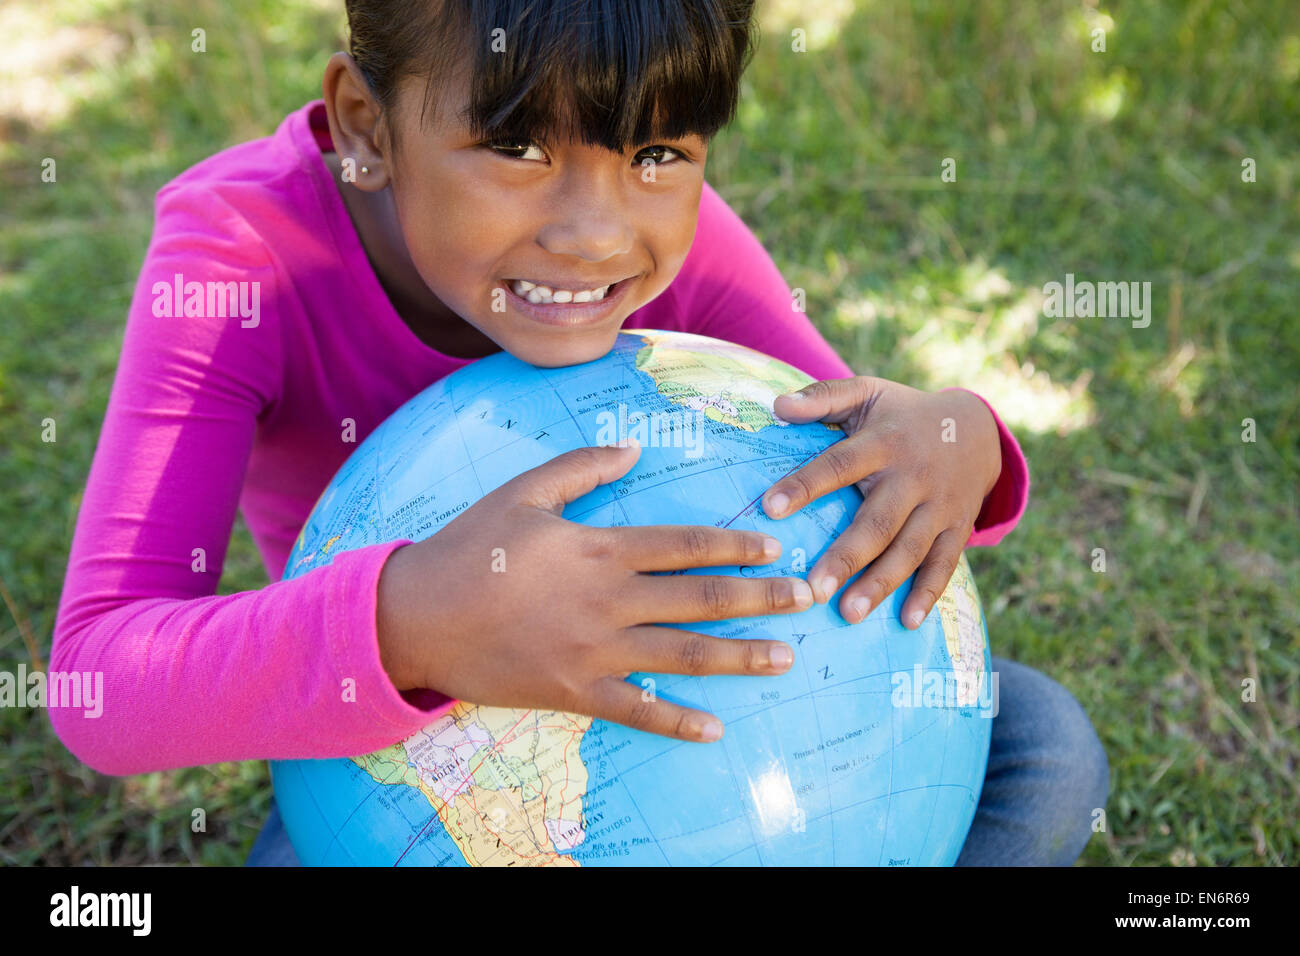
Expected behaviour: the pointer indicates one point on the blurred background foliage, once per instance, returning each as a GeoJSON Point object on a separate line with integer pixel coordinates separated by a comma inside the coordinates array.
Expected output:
{"type": "Point", "coordinates": [1116, 165]}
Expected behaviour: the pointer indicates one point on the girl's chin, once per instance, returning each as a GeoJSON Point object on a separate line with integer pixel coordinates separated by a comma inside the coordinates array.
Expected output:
{"type": "Point", "coordinates": [569, 347]}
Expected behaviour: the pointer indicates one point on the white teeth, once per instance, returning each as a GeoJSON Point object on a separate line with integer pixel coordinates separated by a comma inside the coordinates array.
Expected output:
{"type": "Point", "coordinates": [543, 295]}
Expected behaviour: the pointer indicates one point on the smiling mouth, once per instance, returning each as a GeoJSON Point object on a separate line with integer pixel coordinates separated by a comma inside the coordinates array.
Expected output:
{"type": "Point", "coordinates": [539, 293]}
{"type": "Point", "coordinates": [575, 313]}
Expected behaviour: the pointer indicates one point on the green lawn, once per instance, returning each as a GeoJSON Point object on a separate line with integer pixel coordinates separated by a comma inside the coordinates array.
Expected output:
{"type": "Point", "coordinates": [1116, 165]}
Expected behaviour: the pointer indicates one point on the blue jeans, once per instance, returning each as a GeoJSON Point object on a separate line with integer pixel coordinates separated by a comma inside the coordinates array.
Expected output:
{"type": "Point", "coordinates": [1047, 773]}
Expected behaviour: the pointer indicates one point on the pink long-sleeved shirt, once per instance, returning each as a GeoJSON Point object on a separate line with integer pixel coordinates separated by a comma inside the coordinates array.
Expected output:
{"type": "Point", "coordinates": [210, 414]}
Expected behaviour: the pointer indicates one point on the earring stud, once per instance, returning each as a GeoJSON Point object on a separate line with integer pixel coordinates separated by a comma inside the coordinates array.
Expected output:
{"type": "Point", "coordinates": [365, 169]}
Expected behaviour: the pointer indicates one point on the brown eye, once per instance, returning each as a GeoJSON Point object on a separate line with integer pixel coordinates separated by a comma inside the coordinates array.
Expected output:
{"type": "Point", "coordinates": [657, 159]}
{"type": "Point", "coordinates": [510, 148]}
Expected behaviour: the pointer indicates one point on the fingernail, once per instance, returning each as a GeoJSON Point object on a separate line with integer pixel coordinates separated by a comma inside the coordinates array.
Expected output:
{"type": "Point", "coordinates": [861, 607]}
{"type": "Point", "coordinates": [915, 618]}
{"type": "Point", "coordinates": [777, 504]}
{"type": "Point", "coordinates": [794, 396]}
{"type": "Point", "coordinates": [711, 729]}
{"type": "Point", "coordinates": [771, 548]}
{"type": "Point", "coordinates": [826, 587]}
{"type": "Point", "coordinates": [781, 656]}
{"type": "Point", "coordinates": [803, 596]}
{"type": "Point", "coordinates": [627, 442]}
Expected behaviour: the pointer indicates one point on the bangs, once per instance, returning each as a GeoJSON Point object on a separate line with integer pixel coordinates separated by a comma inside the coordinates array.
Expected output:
{"type": "Point", "coordinates": [610, 73]}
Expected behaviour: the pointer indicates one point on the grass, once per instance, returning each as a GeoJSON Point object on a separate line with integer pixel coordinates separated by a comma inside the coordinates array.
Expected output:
{"type": "Point", "coordinates": [1122, 165]}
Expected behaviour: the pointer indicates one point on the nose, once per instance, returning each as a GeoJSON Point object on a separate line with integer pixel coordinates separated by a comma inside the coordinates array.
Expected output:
{"type": "Point", "coordinates": [591, 219]}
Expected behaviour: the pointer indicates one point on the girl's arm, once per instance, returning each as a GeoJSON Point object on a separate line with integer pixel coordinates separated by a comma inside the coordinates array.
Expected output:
{"type": "Point", "coordinates": [189, 678]}
{"type": "Point", "coordinates": [730, 288]}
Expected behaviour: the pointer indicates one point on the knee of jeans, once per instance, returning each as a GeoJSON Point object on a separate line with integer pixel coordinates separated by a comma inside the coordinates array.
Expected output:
{"type": "Point", "coordinates": [1083, 812]}
{"type": "Point", "coordinates": [1082, 760]}
{"type": "Point", "coordinates": [1078, 755]}
{"type": "Point", "coordinates": [1082, 783]}
{"type": "Point", "coordinates": [1092, 771]}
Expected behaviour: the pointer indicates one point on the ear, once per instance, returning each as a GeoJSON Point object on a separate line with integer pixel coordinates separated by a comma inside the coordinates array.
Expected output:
{"type": "Point", "coordinates": [357, 126]}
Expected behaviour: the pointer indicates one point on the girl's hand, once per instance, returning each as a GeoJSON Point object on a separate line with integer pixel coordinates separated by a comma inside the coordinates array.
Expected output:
{"type": "Point", "coordinates": [511, 605]}
{"type": "Point", "coordinates": [925, 462]}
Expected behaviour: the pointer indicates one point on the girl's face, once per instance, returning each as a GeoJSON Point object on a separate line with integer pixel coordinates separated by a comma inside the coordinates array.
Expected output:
{"type": "Point", "coordinates": [475, 220]}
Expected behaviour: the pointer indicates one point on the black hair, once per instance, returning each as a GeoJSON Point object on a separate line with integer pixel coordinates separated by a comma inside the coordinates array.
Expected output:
{"type": "Point", "coordinates": [613, 73]}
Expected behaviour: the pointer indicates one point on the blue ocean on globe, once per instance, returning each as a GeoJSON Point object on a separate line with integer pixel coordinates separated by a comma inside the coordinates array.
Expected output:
{"type": "Point", "coordinates": [871, 750]}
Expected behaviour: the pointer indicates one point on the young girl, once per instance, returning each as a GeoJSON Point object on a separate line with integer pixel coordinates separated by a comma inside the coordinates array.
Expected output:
{"type": "Point", "coordinates": [473, 182]}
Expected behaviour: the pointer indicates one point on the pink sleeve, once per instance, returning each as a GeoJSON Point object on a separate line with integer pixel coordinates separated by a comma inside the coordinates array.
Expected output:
{"type": "Point", "coordinates": [734, 291]}
{"type": "Point", "coordinates": [290, 670]}
{"type": "Point", "coordinates": [1004, 505]}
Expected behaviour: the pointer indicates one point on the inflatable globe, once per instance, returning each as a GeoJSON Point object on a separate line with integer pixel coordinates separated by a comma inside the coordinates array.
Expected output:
{"type": "Point", "coordinates": [871, 750]}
